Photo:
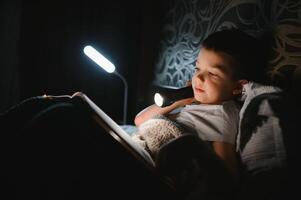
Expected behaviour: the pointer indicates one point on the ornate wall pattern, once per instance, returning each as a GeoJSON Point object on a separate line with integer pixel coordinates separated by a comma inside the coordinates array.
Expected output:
{"type": "Point", "coordinates": [188, 22]}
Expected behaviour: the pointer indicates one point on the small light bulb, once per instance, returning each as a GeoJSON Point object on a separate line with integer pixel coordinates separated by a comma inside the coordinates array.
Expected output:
{"type": "Point", "coordinates": [158, 99]}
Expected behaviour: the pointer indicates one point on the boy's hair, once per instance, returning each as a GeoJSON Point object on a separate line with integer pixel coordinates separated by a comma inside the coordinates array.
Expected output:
{"type": "Point", "coordinates": [246, 50]}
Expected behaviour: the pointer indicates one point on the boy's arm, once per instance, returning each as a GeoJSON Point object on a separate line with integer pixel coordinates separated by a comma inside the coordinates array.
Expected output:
{"type": "Point", "coordinates": [226, 151]}
{"type": "Point", "coordinates": [153, 110]}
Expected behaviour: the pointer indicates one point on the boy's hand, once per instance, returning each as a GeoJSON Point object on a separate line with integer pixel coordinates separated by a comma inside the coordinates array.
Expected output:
{"type": "Point", "coordinates": [188, 83]}
{"type": "Point", "coordinates": [184, 102]}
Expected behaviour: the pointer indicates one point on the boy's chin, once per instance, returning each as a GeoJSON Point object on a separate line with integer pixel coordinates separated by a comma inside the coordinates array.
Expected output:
{"type": "Point", "coordinates": [208, 101]}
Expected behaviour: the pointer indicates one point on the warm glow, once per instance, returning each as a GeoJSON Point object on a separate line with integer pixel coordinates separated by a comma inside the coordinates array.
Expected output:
{"type": "Point", "coordinates": [99, 59]}
{"type": "Point", "coordinates": [158, 99]}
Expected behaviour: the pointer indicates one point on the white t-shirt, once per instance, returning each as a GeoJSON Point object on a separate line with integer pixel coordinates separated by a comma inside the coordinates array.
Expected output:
{"type": "Point", "coordinates": [211, 122]}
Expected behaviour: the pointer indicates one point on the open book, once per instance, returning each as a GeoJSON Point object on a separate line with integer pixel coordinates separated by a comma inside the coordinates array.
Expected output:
{"type": "Point", "coordinates": [117, 132]}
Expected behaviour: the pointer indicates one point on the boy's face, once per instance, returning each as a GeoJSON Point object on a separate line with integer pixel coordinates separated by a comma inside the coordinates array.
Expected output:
{"type": "Point", "coordinates": [213, 80]}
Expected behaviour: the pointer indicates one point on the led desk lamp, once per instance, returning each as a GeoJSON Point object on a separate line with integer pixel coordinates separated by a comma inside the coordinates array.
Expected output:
{"type": "Point", "coordinates": [110, 68]}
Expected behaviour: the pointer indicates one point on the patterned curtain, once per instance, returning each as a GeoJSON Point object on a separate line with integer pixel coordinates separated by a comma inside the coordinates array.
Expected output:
{"type": "Point", "coordinates": [188, 22]}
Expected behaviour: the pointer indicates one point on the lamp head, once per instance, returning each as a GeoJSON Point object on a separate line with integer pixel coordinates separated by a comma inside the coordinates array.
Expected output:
{"type": "Point", "coordinates": [99, 59]}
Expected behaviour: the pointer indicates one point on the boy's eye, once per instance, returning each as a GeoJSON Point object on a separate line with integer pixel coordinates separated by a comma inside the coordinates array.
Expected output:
{"type": "Point", "coordinates": [212, 74]}
{"type": "Point", "coordinates": [196, 69]}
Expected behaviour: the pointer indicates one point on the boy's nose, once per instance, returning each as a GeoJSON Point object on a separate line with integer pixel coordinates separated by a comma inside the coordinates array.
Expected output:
{"type": "Point", "coordinates": [198, 80]}
{"type": "Point", "coordinates": [201, 76]}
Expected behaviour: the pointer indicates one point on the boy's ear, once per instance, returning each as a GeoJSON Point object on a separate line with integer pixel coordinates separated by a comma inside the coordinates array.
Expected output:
{"type": "Point", "coordinates": [242, 82]}
{"type": "Point", "coordinates": [237, 90]}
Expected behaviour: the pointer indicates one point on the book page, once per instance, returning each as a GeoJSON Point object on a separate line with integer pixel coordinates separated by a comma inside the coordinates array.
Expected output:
{"type": "Point", "coordinates": [117, 132]}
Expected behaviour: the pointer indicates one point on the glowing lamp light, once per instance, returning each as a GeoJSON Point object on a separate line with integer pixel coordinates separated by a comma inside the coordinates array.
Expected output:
{"type": "Point", "coordinates": [99, 59]}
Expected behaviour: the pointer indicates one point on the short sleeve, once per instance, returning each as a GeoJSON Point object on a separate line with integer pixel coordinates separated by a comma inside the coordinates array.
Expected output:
{"type": "Point", "coordinates": [230, 117]}
{"type": "Point", "coordinates": [212, 122]}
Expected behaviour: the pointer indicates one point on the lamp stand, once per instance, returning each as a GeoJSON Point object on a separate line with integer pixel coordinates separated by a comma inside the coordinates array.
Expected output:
{"type": "Point", "coordinates": [125, 96]}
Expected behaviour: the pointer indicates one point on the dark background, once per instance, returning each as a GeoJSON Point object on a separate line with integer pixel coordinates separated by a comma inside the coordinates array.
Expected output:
{"type": "Point", "coordinates": [41, 50]}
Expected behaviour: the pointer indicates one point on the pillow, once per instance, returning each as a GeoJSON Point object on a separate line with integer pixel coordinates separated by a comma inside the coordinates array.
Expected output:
{"type": "Point", "coordinates": [260, 139]}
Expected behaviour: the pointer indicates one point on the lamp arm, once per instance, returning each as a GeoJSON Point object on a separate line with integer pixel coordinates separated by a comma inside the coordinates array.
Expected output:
{"type": "Point", "coordinates": [125, 96]}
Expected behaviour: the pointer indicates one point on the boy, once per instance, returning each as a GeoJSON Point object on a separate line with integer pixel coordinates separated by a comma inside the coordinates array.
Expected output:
{"type": "Point", "coordinates": [225, 62]}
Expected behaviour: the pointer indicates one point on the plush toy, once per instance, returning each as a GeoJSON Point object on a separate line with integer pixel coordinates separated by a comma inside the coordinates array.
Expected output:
{"type": "Point", "coordinates": [155, 132]}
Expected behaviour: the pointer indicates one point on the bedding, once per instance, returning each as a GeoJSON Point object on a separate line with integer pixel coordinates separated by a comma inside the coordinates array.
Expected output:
{"type": "Point", "coordinates": [267, 143]}
{"type": "Point", "coordinates": [260, 142]}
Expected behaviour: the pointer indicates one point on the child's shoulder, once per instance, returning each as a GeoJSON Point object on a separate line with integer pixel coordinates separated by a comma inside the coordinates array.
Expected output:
{"type": "Point", "coordinates": [231, 108]}
{"type": "Point", "coordinates": [228, 108]}
{"type": "Point", "coordinates": [231, 104]}
{"type": "Point", "coordinates": [225, 105]}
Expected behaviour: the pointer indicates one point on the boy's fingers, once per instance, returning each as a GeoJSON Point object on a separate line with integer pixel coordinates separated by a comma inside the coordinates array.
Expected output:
{"type": "Point", "coordinates": [188, 83]}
